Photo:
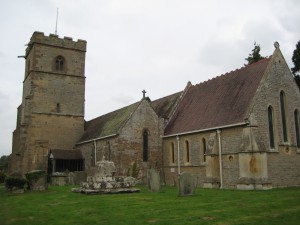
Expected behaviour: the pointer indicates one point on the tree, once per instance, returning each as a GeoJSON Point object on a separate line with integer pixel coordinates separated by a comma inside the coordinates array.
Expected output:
{"type": "Point", "coordinates": [296, 61]}
{"type": "Point", "coordinates": [255, 55]}
{"type": "Point", "coordinates": [4, 163]}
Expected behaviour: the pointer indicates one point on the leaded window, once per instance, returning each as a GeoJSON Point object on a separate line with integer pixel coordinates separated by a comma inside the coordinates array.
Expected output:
{"type": "Point", "coordinates": [296, 117]}
{"type": "Point", "coordinates": [283, 116]}
{"type": "Point", "coordinates": [271, 127]}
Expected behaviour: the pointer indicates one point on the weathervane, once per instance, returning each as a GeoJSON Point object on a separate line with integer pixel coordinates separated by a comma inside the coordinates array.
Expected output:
{"type": "Point", "coordinates": [56, 21]}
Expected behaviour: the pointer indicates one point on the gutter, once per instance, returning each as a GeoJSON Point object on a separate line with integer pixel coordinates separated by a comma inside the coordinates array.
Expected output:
{"type": "Point", "coordinates": [208, 129]}
{"type": "Point", "coordinates": [96, 139]}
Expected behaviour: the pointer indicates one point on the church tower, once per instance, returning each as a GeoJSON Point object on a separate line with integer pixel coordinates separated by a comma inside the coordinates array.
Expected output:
{"type": "Point", "coordinates": [51, 115]}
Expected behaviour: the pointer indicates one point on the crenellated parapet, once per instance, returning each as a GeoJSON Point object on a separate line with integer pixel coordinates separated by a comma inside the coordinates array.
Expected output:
{"type": "Point", "coordinates": [54, 40]}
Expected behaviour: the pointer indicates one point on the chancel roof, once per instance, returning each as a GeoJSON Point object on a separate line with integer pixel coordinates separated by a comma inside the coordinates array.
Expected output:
{"type": "Point", "coordinates": [221, 101]}
{"type": "Point", "coordinates": [107, 124]}
{"type": "Point", "coordinates": [111, 123]}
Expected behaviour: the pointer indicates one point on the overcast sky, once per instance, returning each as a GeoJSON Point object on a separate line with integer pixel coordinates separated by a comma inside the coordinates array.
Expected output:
{"type": "Point", "coordinates": [156, 45]}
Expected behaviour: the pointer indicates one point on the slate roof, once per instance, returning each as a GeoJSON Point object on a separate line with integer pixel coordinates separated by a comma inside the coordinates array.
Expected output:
{"type": "Point", "coordinates": [221, 101]}
{"type": "Point", "coordinates": [164, 106]}
{"type": "Point", "coordinates": [66, 154]}
{"type": "Point", "coordinates": [107, 124]}
{"type": "Point", "coordinates": [112, 122]}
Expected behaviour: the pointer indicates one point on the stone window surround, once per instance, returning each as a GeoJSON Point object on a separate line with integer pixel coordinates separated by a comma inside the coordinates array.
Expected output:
{"type": "Point", "coordinates": [59, 63]}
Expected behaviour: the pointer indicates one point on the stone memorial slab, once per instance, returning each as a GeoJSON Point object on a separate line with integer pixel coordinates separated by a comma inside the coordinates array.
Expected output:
{"type": "Point", "coordinates": [153, 180]}
{"type": "Point", "coordinates": [186, 184]}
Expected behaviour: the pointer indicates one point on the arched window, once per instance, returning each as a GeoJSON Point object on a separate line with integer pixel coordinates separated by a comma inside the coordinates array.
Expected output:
{"type": "Point", "coordinates": [283, 116]}
{"type": "Point", "coordinates": [145, 145]}
{"type": "Point", "coordinates": [187, 151]}
{"type": "Point", "coordinates": [296, 117]}
{"type": "Point", "coordinates": [59, 63]}
{"type": "Point", "coordinates": [204, 149]}
{"type": "Point", "coordinates": [271, 127]}
{"type": "Point", "coordinates": [172, 153]}
{"type": "Point", "coordinates": [57, 107]}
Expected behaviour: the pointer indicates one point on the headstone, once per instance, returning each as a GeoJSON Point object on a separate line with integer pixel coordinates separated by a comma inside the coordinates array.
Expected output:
{"type": "Point", "coordinates": [72, 178]}
{"type": "Point", "coordinates": [186, 185]}
{"type": "Point", "coordinates": [75, 178]}
{"type": "Point", "coordinates": [153, 180]}
{"type": "Point", "coordinates": [81, 176]}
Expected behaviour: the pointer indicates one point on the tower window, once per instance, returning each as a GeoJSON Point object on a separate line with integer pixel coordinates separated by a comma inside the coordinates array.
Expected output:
{"type": "Point", "coordinates": [59, 63]}
{"type": "Point", "coordinates": [57, 107]}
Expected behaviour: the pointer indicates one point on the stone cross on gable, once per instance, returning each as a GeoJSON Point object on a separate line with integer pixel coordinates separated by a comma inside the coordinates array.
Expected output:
{"type": "Point", "coordinates": [144, 93]}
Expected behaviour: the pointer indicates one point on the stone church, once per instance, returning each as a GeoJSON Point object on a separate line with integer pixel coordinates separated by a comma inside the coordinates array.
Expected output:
{"type": "Point", "coordinates": [239, 130]}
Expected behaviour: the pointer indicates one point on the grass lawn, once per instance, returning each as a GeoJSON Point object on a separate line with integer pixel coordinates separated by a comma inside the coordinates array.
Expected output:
{"type": "Point", "coordinates": [224, 207]}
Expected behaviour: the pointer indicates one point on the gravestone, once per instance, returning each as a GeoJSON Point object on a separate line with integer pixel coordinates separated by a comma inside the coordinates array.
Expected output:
{"type": "Point", "coordinates": [75, 178]}
{"type": "Point", "coordinates": [186, 184]}
{"type": "Point", "coordinates": [153, 180]}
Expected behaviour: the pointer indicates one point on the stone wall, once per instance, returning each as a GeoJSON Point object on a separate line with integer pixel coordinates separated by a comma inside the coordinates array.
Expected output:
{"type": "Point", "coordinates": [284, 167]}
{"type": "Point", "coordinates": [231, 139]}
{"type": "Point", "coordinates": [283, 162]}
{"type": "Point", "coordinates": [126, 148]}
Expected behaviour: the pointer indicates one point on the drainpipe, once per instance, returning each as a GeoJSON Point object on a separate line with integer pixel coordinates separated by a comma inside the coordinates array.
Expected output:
{"type": "Point", "coordinates": [95, 152]}
{"type": "Point", "coordinates": [178, 156]}
{"type": "Point", "coordinates": [220, 159]}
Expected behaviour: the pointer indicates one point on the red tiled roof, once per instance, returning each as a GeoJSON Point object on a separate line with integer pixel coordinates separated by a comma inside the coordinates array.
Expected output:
{"type": "Point", "coordinates": [221, 101]}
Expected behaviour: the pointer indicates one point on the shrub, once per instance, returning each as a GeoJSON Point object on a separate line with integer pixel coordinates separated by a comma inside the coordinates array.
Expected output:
{"type": "Point", "coordinates": [12, 183]}
{"type": "Point", "coordinates": [34, 176]}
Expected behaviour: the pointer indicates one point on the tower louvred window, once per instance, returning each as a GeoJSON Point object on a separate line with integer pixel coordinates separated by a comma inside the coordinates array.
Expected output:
{"type": "Point", "coordinates": [59, 63]}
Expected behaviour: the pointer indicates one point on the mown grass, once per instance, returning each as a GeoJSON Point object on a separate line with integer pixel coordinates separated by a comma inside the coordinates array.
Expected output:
{"type": "Point", "coordinates": [223, 207]}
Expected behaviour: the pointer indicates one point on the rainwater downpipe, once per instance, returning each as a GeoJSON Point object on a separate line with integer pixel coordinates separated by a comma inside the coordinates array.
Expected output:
{"type": "Point", "coordinates": [178, 154]}
{"type": "Point", "coordinates": [220, 159]}
{"type": "Point", "coordinates": [95, 152]}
